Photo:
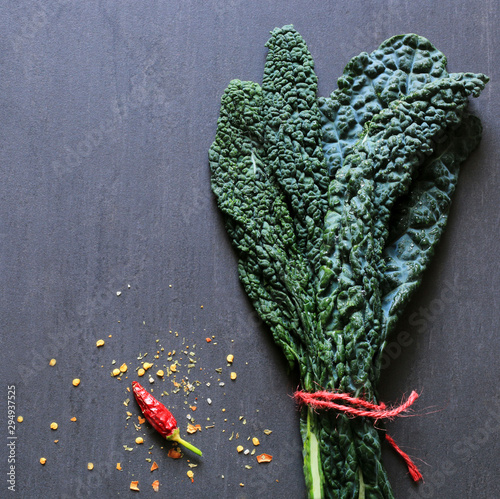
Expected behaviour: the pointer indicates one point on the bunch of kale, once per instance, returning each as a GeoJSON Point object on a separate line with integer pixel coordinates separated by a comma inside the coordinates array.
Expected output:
{"type": "Point", "coordinates": [335, 206]}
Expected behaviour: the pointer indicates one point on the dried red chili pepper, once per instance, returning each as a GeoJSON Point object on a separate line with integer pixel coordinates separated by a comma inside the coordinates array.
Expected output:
{"type": "Point", "coordinates": [160, 418]}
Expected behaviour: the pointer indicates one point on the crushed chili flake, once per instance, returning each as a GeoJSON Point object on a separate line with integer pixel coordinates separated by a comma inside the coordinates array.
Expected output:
{"type": "Point", "coordinates": [193, 407]}
{"type": "Point", "coordinates": [73, 419]}
{"type": "Point", "coordinates": [141, 420]}
{"type": "Point", "coordinates": [208, 340]}
{"type": "Point", "coordinates": [134, 485]}
{"type": "Point", "coordinates": [118, 466]}
{"type": "Point", "coordinates": [174, 454]}
{"type": "Point", "coordinates": [191, 429]}
{"type": "Point", "coordinates": [156, 485]}
{"type": "Point", "coordinates": [154, 466]}
{"type": "Point", "coordinates": [264, 458]}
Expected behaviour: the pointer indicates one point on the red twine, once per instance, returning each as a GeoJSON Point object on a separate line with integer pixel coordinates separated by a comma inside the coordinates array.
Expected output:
{"type": "Point", "coordinates": [362, 408]}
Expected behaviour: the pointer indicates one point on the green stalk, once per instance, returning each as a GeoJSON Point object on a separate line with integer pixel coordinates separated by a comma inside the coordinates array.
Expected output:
{"type": "Point", "coordinates": [175, 437]}
{"type": "Point", "coordinates": [312, 462]}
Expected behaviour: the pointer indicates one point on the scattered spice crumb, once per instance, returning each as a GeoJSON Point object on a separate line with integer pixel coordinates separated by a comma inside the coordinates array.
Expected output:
{"type": "Point", "coordinates": [156, 485]}
{"type": "Point", "coordinates": [173, 368]}
{"type": "Point", "coordinates": [248, 467]}
{"type": "Point", "coordinates": [134, 485]}
{"type": "Point", "coordinates": [154, 466]}
{"type": "Point", "coordinates": [43, 460]}
{"type": "Point", "coordinates": [90, 466]}
{"type": "Point", "coordinates": [118, 466]}
{"type": "Point", "coordinates": [73, 419]}
{"type": "Point", "coordinates": [139, 440]}
{"type": "Point", "coordinates": [52, 362]}
{"type": "Point", "coordinates": [99, 343]}
{"type": "Point", "coordinates": [242, 484]}
{"type": "Point", "coordinates": [76, 382]}
{"type": "Point", "coordinates": [55, 441]}
{"type": "Point", "coordinates": [264, 458]}
{"type": "Point", "coordinates": [53, 426]}
{"type": "Point", "coordinates": [20, 419]}
{"type": "Point", "coordinates": [174, 454]}
{"type": "Point", "coordinates": [118, 293]}
{"type": "Point", "coordinates": [190, 475]}
{"type": "Point", "coordinates": [268, 432]}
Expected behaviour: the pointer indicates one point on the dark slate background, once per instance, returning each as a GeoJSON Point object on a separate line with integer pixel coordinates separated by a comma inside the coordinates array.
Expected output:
{"type": "Point", "coordinates": [107, 112]}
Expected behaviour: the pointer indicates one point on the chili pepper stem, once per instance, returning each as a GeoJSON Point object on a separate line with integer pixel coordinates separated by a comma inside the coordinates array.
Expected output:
{"type": "Point", "coordinates": [175, 437]}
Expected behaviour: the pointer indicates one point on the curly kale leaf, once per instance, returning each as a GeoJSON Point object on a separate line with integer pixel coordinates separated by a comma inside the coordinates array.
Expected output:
{"type": "Point", "coordinates": [419, 219]}
{"type": "Point", "coordinates": [293, 136]}
{"type": "Point", "coordinates": [275, 274]}
{"type": "Point", "coordinates": [376, 174]}
{"type": "Point", "coordinates": [401, 65]}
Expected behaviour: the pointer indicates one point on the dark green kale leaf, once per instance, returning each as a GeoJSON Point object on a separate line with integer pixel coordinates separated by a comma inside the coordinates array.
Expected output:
{"type": "Point", "coordinates": [401, 65]}
{"type": "Point", "coordinates": [293, 136]}
{"type": "Point", "coordinates": [275, 274]}
{"type": "Point", "coordinates": [419, 219]}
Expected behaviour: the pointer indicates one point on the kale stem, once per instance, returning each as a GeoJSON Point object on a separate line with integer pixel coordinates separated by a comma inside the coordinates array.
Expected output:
{"type": "Point", "coordinates": [312, 462]}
